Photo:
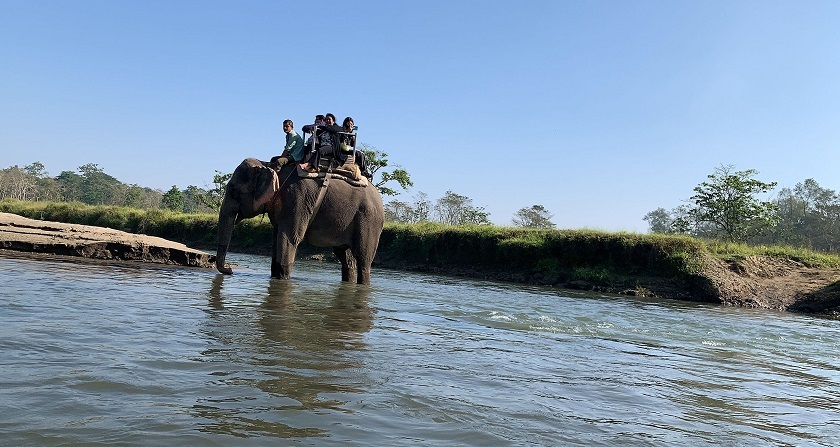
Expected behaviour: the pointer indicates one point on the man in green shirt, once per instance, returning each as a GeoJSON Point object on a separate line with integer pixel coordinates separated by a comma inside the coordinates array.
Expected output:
{"type": "Point", "coordinates": [294, 146]}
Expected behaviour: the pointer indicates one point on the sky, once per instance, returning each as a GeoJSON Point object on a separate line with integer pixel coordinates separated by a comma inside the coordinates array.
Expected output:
{"type": "Point", "coordinates": [598, 110]}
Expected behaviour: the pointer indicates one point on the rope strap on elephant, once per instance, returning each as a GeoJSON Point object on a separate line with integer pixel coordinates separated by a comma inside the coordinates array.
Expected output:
{"type": "Point", "coordinates": [320, 199]}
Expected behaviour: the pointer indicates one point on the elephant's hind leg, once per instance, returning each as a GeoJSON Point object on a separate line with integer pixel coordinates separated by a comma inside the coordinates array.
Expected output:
{"type": "Point", "coordinates": [348, 263]}
{"type": "Point", "coordinates": [363, 276]}
{"type": "Point", "coordinates": [363, 261]}
{"type": "Point", "coordinates": [364, 252]}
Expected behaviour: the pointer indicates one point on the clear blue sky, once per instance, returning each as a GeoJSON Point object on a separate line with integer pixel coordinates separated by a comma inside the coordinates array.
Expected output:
{"type": "Point", "coordinates": [598, 110]}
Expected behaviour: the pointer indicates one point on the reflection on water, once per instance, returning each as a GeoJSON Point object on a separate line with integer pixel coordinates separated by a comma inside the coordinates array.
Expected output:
{"type": "Point", "coordinates": [137, 355]}
{"type": "Point", "coordinates": [293, 344]}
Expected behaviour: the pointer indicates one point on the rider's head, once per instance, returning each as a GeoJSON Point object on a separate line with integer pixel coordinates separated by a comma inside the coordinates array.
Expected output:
{"type": "Point", "coordinates": [330, 118]}
{"type": "Point", "coordinates": [319, 119]}
{"type": "Point", "coordinates": [288, 125]}
{"type": "Point", "coordinates": [348, 123]}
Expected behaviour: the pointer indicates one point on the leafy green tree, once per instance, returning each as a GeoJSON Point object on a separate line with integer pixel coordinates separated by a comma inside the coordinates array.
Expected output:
{"type": "Point", "coordinates": [71, 185]}
{"type": "Point", "coordinates": [99, 188]}
{"type": "Point", "coordinates": [36, 169]}
{"type": "Point", "coordinates": [173, 199]}
{"type": "Point", "coordinates": [376, 161]}
{"type": "Point", "coordinates": [455, 209]}
{"type": "Point", "coordinates": [215, 194]}
{"type": "Point", "coordinates": [728, 202]}
{"type": "Point", "coordinates": [193, 202]}
{"type": "Point", "coordinates": [534, 217]}
{"type": "Point", "coordinates": [133, 196]}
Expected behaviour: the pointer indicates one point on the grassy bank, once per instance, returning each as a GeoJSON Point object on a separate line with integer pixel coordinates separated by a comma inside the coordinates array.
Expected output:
{"type": "Point", "coordinates": [564, 257]}
{"type": "Point", "coordinates": [542, 256]}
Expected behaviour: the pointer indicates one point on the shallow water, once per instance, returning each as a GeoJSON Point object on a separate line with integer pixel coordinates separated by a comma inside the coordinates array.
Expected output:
{"type": "Point", "coordinates": [95, 354]}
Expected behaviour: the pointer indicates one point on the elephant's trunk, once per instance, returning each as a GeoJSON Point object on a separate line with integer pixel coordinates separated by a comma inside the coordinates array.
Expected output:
{"type": "Point", "coordinates": [226, 223]}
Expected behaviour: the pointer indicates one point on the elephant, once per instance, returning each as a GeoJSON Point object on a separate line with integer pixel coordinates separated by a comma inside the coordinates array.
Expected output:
{"type": "Point", "coordinates": [349, 219]}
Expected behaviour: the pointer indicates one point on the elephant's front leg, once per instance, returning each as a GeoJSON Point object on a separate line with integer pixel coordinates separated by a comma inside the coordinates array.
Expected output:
{"type": "Point", "coordinates": [348, 263]}
{"type": "Point", "coordinates": [281, 271]}
{"type": "Point", "coordinates": [283, 257]}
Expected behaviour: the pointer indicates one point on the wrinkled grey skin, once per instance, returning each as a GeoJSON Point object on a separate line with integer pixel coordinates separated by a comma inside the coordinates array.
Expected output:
{"type": "Point", "coordinates": [349, 220]}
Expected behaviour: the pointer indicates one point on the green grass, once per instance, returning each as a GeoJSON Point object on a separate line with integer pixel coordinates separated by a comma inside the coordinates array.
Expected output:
{"type": "Point", "coordinates": [734, 251]}
{"type": "Point", "coordinates": [563, 254]}
{"type": "Point", "coordinates": [552, 255]}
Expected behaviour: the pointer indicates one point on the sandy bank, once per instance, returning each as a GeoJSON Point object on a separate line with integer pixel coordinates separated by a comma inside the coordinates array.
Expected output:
{"type": "Point", "coordinates": [35, 236]}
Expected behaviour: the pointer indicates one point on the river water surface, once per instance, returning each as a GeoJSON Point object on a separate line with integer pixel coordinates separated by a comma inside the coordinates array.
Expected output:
{"type": "Point", "coordinates": [96, 354]}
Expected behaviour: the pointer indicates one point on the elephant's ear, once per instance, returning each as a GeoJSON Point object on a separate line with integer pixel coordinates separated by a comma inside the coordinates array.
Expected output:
{"type": "Point", "coordinates": [265, 185]}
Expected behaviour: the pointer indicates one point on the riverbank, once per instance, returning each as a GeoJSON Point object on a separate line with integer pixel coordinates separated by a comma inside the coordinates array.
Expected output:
{"type": "Point", "coordinates": [20, 234]}
{"type": "Point", "coordinates": [674, 267]}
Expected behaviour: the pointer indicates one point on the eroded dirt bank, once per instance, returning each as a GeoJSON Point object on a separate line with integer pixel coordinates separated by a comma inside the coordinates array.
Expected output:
{"type": "Point", "coordinates": [771, 283]}
{"type": "Point", "coordinates": [759, 282]}
{"type": "Point", "coordinates": [36, 236]}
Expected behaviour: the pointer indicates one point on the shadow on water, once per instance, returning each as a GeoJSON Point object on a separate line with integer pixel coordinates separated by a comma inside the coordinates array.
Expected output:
{"type": "Point", "coordinates": [287, 357]}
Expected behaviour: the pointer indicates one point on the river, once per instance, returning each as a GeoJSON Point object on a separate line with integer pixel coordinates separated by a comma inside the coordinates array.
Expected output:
{"type": "Point", "coordinates": [135, 355]}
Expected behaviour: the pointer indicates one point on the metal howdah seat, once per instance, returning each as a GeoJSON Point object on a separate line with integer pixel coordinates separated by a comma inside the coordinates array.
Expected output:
{"type": "Point", "coordinates": [344, 153]}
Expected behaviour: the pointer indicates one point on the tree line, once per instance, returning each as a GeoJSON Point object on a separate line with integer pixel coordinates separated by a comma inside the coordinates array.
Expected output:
{"type": "Point", "coordinates": [92, 186]}
{"type": "Point", "coordinates": [456, 209]}
{"type": "Point", "coordinates": [729, 206]}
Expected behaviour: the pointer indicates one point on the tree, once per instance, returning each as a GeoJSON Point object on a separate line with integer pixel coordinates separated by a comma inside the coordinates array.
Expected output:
{"type": "Point", "coordinates": [455, 209]}
{"type": "Point", "coordinates": [45, 188]}
{"type": "Point", "coordinates": [173, 200]}
{"type": "Point", "coordinates": [99, 188]}
{"type": "Point", "coordinates": [193, 203]}
{"type": "Point", "coordinates": [214, 196]}
{"type": "Point", "coordinates": [659, 221]}
{"type": "Point", "coordinates": [422, 207]}
{"type": "Point", "coordinates": [401, 212]}
{"type": "Point", "coordinates": [36, 169]}
{"type": "Point", "coordinates": [133, 196]}
{"type": "Point", "coordinates": [534, 217]}
{"type": "Point", "coordinates": [808, 216]}
{"type": "Point", "coordinates": [17, 183]}
{"type": "Point", "coordinates": [377, 160]}
{"type": "Point", "coordinates": [728, 202]}
{"type": "Point", "coordinates": [48, 189]}
{"type": "Point", "coordinates": [71, 185]}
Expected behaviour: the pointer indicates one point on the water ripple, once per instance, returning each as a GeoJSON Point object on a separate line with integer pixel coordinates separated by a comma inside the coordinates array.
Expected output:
{"type": "Point", "coordinates": [135, 355]}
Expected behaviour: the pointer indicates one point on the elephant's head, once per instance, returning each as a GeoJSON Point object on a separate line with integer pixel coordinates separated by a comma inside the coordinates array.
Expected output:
{"type": "Point", "coordinates": [248, 193]}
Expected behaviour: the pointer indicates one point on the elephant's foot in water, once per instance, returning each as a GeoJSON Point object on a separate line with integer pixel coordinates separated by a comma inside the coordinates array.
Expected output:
{"type": "Point", "coordinates": [351, 268]}
{"type": "Point", "coordinates": [363, 276]}
{"type": "Point", "coordinates": [281, 271]}
{"type": "Point", "coordinates": [348, 263]}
